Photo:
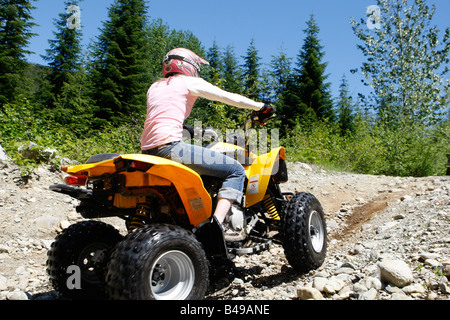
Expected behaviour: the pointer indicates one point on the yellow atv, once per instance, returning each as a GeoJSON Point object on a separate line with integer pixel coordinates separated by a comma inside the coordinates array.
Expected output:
{"type": "Point", "coordinates": [172, 239]}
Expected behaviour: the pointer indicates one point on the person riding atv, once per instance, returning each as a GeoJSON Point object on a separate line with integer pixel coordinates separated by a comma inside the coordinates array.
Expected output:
{"type": "Point", "coordinates": [169, 103]}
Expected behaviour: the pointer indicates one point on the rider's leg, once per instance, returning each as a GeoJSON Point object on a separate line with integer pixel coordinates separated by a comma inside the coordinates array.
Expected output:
{"type": "Point", "coordinates": [222, 209]}
{"type": "Point", "coordinates": [210, 163]}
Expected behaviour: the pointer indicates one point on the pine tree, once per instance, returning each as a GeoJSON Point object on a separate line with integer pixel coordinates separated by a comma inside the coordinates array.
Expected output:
{"type": "Point", "coordinates": [280, 75]}
{"type": "Point", "coordinates": [232, 71]}
{"type": "Point", "coordinates": [345, 108]}
{"type": "Point", "coordinates": [15, 33]}
{"type": "Point", "coordinates": [251, 72]}
{"type": "Point", "coordinates": [215, 71]}
{"type": "Point", "coordinates": [121, 71]}
{"type": "Point", "coordinates": [309, 96]}
{"type": "Point", "coordinates": [68, 94]}
{"type": "Point", "coordinates": [407, 63]}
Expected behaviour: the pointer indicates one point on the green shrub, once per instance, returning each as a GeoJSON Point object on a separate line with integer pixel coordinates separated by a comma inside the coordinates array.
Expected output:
{"type": "Point", "coordinates": [370, 149]}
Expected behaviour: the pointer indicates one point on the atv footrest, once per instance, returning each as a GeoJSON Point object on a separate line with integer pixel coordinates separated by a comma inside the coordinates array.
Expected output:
{"type": "Point", "coordinates": [253, 245]}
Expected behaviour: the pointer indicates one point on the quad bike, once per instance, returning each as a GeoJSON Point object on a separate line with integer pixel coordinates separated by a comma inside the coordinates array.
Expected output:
{"type": "Point", "coordinates": [173, 240]}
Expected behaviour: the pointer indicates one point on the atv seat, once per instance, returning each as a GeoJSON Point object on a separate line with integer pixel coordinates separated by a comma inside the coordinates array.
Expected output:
{"type": "Point", "coordinates": [102, 157]}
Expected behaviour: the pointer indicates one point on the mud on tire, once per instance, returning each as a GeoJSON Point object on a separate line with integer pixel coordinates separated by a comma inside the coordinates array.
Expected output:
{"type": "Point", "coordinates": [158, 262]}
{"type": "Point", "coordinates": [78, 246]}
{"type": "Point", "coordinates": [303, 232]}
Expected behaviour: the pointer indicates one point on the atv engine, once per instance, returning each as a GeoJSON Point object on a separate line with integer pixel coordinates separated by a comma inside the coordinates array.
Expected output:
{"type": "Point", "coordinates": [239, 223]}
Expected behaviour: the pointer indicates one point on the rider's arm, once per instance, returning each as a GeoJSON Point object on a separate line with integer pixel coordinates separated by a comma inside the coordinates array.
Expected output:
{"type": "Point", "coordinates": [201, 88]}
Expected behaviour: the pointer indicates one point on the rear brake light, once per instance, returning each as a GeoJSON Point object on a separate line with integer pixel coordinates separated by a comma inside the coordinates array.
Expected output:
{"type": "Point", "coordinates": [75, 180]}
{"type": "Point", "coordinates": [141, 166]}
{"type": "Point", "coordinates": [131, 165]}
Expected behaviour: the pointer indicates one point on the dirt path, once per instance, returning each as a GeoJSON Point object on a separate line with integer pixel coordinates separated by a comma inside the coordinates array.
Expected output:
{"type": "Point", "coordinates": [31, 215]}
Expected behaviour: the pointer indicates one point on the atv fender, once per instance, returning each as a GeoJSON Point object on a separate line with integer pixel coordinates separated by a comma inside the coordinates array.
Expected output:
{"type": "Point", "coordinates": [259, 174]}
{"type": "Point", "coordinates": [196, 200]}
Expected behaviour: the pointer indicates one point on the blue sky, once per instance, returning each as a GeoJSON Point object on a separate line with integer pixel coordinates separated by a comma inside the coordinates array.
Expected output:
{"type": "Point", "coordinates": [272, 24]}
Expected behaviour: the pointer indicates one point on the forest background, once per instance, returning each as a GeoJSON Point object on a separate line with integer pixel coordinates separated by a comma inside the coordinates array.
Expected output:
{"type": "Point", "coordinates": [85, 102]}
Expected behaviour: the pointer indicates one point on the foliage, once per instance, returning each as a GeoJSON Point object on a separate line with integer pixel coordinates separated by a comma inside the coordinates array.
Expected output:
{"type": "Point", "coordinates": [21, 125]}
{"type": "Point", "coordinates": [345, 108]}
{"type": "Point", "coordinates": [65, 91]}
{"type": "Point", "coordinates": [120, 72]}
{"type": "Point", "coordinates": [81, 108]}
{"type": "Point", "coordinates": [406, 63]}
{"type": "Point", "coordinates": [307, 94]}
{"type": "Point", "coordinates": [372, 148]}
{"type": "Point", "coordinates": [251, 73]}
{"type": "Point", "coordinates": [15, 26]}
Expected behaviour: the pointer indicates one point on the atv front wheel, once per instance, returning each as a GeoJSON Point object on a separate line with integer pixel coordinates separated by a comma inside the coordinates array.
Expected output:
{"type": "Point", "coordinates": [304, 232]}
{"type": "Point", "coordinates": [158, 262]}
{"type": "Point", "coordinates": [77, 258]}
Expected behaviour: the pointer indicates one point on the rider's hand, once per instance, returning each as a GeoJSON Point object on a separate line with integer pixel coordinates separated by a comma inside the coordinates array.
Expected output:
{"type": "Point", "coordinates": [266, 112]}
{"type": "Point", "coordinates": [268, 109]}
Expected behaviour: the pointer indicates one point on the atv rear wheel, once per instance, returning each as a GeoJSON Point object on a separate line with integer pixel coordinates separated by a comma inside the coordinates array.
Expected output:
{"type": "Point", "coordinates": [84, 246]}
{"type": "Point", "coordinates": [158, 262]}
{"type": "Point", "coordinates": [304, 232]}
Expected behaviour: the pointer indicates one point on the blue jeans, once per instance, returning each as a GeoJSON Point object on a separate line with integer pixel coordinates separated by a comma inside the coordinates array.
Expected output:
{"type": "Point", "coordinates": [207, 163]}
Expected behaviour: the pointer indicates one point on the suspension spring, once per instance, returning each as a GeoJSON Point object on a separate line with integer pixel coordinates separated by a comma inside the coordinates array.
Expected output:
{"type": "Point", "coordinates": [270, 207]}
{"type": "Point", "coordinates": [140, 218]}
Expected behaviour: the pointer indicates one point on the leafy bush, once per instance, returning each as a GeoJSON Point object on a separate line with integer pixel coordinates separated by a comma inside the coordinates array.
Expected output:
{"type": "Point", "coordinates": [372, 149]}
{"type": "Point", "coordinates": [21, 125]}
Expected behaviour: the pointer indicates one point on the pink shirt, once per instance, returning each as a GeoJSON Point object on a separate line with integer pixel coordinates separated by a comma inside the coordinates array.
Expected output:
{"type": "Point", "coordinates": [170, 102]}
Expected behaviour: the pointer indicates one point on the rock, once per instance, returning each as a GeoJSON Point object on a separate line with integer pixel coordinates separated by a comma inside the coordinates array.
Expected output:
{"type": "Point", "coordinates": [414, 288]}
{"type": "Point", "coordinates": [444, 287]}
{"type": "Point", "coordinates": [305, 293]}
{"type": "Point", "coordinates": [17, 295]}
{"type": "Point", "coordinates": [5, 160]}
{"type": "Point", "coordinates": [47, 222]}
{"type": "Point", "coordinates": [333, 285]}
{"type": "Point", "coordinates": [31, 150]}
{"type": "Point", "coordinates": [319, 283]}
{"type": "Point", "coordinates": [344, 293]}
{"type": "Point", "coordinates": [3, 283]}
{"type": "Point", "coordinates": [400, 296]}
{"type": "Point", "coordinates": [396, 272]}
{"type": "Point", "coordinates": [368, 295]}
{"type": "Point", "coordinates": [372, 282]}
{"type": "Point", "coordinates": [446, 269]}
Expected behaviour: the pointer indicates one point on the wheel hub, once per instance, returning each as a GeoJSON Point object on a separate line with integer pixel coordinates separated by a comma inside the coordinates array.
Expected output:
{"type": "Point", "coordinates": [316, 231]}
{"type": "Point", "coordinates": [172, 276]}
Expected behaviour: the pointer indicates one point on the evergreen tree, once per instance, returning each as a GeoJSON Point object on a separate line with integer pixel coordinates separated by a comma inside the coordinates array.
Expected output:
{"type": "Point", "coordinates": [15, 33]}
{"type": "Point", "coordinates": [345, 108]}
{"type": "Point", "coordinates": [159, 42]}
{"type": "Point", "coordinates": [407, 63]}
{"type": "Point", "coordinates": [232, 71]}
{"type": "Point", "coordinates": [121, 71]}
{"type": "Point", "coordinates": [281, 72]}
{"type": "Point", "coordinates": [251, 72]}
{"type": "Point", "coordinates": [280, 75]}
{"type": "Point", "coordinates": [309, 97]}
{"type": "Point", "coordinates": [68, 94]}
{"type": "Point", "coordinates": [215, 72]}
